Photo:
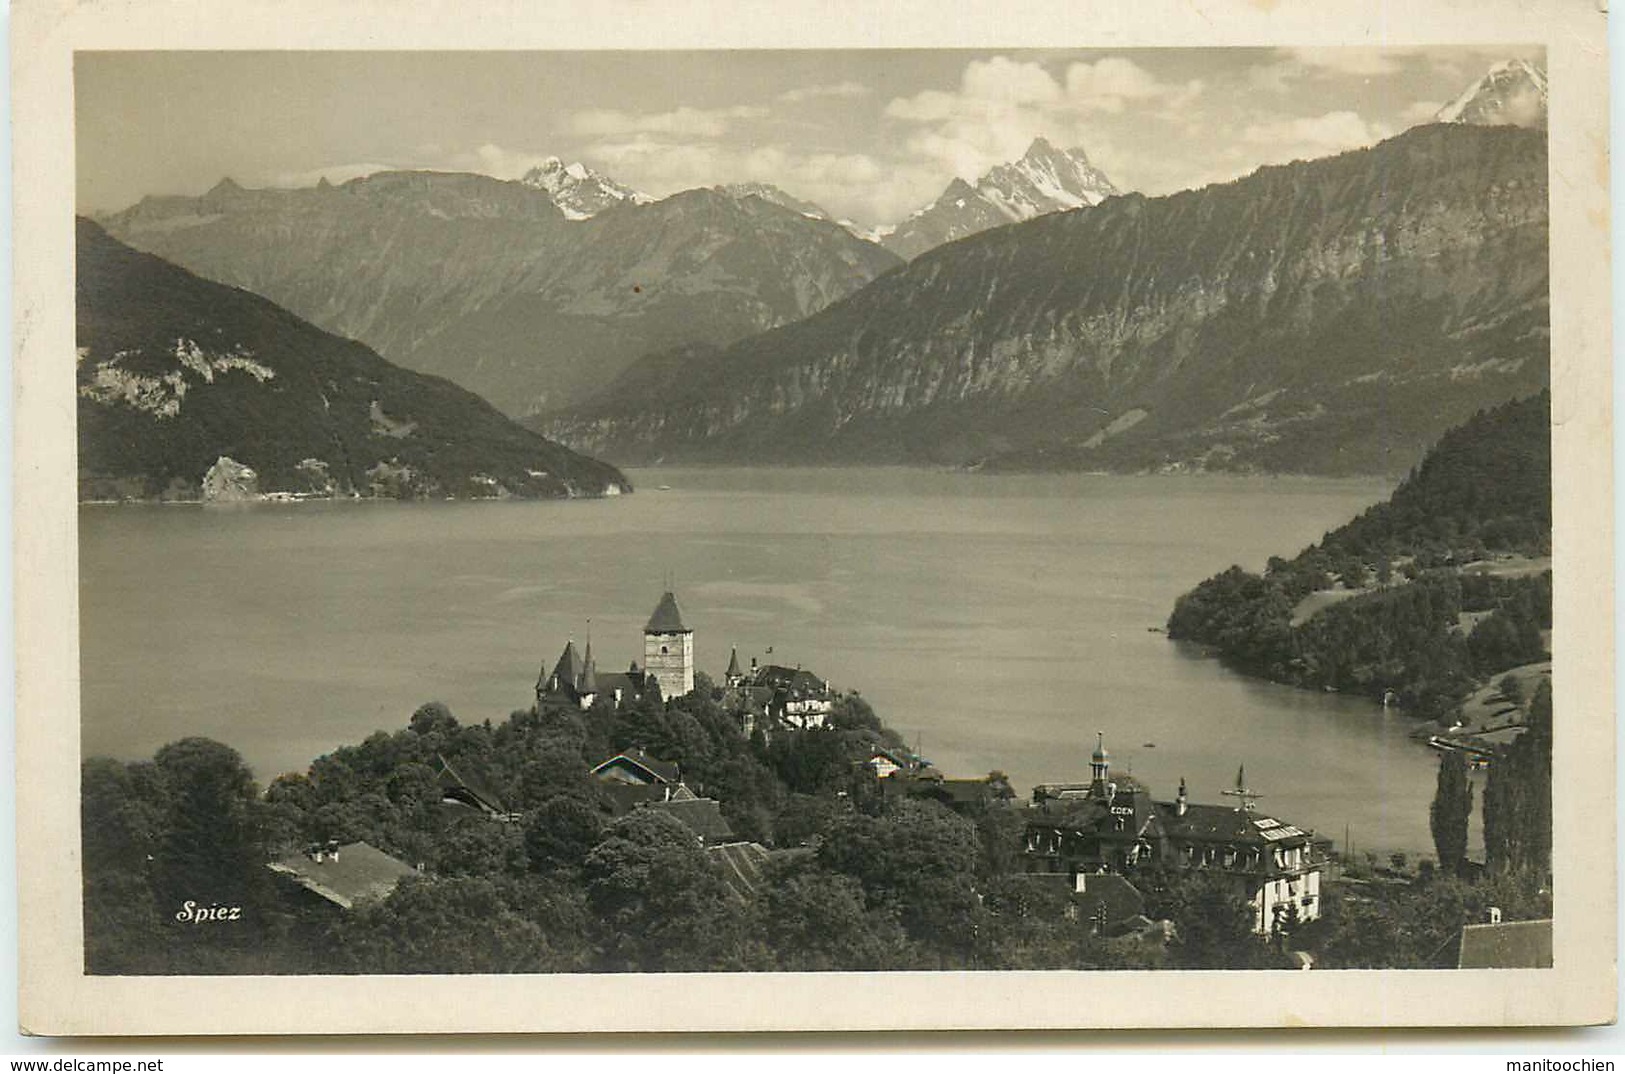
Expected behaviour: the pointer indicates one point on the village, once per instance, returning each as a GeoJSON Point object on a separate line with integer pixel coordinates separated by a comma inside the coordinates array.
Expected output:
{"type": "Point", "coordinates": [1093, 843]}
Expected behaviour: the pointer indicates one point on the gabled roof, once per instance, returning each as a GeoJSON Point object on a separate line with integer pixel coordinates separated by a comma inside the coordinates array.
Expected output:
{"type": "Point", "coordinates": [467, 788]}
{"type": "Point", "coordinates": [703, 815]}
{"type": "Point", "coordinates": [656, 770]}
{"type": "Point", "coordinates": [360, 872]}
{"type": "Point", "coordinates": [667, 617]}
{"type": "Point", "coordinates": [1120, 899]}
{"type": "Point", "coordinates": [1509, 945]}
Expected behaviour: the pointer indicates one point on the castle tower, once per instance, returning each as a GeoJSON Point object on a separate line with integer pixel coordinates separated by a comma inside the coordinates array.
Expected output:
{"type": "Point", "coordinates": [733, 676]}
{"type": "Point", "coordinates": [668, 648]}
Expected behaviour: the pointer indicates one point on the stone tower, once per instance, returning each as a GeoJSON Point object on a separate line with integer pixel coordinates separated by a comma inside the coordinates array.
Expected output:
{"type": "Point", "coordinates": [668, 649]}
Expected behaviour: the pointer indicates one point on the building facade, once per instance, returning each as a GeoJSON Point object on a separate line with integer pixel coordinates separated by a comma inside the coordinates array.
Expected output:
{"type": "Point", "coordinates": [1112, 825]}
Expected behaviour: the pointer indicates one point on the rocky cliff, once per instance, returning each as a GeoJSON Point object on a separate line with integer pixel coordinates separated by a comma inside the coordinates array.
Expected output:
{"type": "Point", "coordinates": [189, 389]}
{"type": "Point", "coordinates": [1329, 316]}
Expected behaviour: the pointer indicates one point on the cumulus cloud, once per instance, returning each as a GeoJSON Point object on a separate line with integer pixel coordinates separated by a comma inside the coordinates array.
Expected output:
{"type": "Point", "coordinates": [680, 122]}
{"type": "Point", "coordinates": [1307, 137]}
{"type": "Point", "coordinates": [1001, 105]}
{"type": "Point", "coordinates": [1420, 111]}
{"type": "Point", "coordinates": [846, 184]}
{"type": "Point", "coordinates": [497, 161]}
{"type": "Point", "coordinates": [825, 90]}
{"type": "Point", "coordinates": [1109, 84]}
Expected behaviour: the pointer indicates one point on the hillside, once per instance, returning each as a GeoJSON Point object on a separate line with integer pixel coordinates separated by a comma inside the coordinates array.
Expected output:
{"type": "Point", "coordinates": [495, 286]}
{"type": "Point", "coordinates": [1333, 316]}
{"type": "Point", "coordinates": [1436, 590]}
{"type": "Point", "coordinates": [176, 372]}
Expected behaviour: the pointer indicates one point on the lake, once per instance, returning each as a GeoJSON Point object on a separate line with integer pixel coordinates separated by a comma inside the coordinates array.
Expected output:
{"type": "Point", "coordinates": [997, 621]}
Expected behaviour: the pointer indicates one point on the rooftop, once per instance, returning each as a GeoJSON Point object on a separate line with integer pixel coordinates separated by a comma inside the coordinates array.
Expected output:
{"type": "Point", "coordinates": [657, 770]}
{"type": "Point", "coordinates": [356, 873]}
{"type": "Point", "coordinates": [1226, 824]}
{"type": "Point", "coordinates": [703, 815]}
{"type": "Point", "coordinates": [667, 617]}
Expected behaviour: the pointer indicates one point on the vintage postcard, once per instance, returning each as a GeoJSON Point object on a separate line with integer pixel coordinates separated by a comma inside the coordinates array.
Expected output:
{"type": "Point", "coordinates": [763, 517]}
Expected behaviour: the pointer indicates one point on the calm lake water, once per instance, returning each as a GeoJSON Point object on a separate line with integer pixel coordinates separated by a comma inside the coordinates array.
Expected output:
{"type": "Point", "coordinates": [1000, 621]}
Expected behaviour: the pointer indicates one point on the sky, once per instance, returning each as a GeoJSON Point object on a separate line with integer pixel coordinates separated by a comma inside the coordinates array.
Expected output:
{"type": "Point", "coordinates": [870, 135]}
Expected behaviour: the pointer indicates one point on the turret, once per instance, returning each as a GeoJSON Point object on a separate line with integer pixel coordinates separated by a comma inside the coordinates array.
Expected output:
{"type": "Point", "coordinates": [589, 677]}
{"type": "Point", "coordinates": [1099, 766]}
{"type": "Point", "coordinates": [1181, 803]}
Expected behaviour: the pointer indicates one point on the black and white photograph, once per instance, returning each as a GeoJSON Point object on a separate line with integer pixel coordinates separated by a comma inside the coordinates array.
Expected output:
{"type": "Point", "coordinates": [630, 512]}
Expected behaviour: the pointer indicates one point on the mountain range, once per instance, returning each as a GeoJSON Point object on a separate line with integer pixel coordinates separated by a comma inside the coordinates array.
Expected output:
{"type": "Point", "coordinates": [1044, 180]}
{"type": "Point", "coordinates": [533, 292]}
{"type": "Point", "coordinates": [185, 383]}
{"type": "Point", "coordinates": [1326, 316]}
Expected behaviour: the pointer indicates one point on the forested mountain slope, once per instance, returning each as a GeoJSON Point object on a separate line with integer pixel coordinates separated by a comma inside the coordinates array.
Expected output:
{"type": "Point", "coordinates": [175, 371]}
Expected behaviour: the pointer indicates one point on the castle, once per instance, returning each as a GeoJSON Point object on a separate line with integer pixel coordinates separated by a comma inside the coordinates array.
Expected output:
{"type": "Point", "coordinates": [667, 672]}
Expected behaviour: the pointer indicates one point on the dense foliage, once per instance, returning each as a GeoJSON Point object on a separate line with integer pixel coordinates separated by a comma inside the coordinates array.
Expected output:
{"type": "Point", "coordinates": [1484, 490]}
{"type": "Point", "coordinates": [1518, 798]}
{"type": "Point", "coordinates": [862, 877]}
{"type": "Point", "coordinates": [866, 880]}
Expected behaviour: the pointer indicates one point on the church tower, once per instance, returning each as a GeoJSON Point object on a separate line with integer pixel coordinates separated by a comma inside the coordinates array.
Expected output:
{"type": "Point", "coordinates": [668, 649]}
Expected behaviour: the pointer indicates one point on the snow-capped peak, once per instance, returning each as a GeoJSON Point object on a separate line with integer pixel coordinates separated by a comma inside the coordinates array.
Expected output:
{"type": "Point", "coordinates": [1045, 180]}
{"type": "Point", "coordinates": [577, 190]}
{"type": "Point", "coordinates": [1513, 92]}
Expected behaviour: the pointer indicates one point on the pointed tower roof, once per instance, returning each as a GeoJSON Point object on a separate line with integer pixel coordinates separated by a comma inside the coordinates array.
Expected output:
{"type": "Point", "coordinates": [733, 664]}
{"type": "Point", "coordinates": [589, 674]}
{"type": "Point", "coordinates": [667, 617]}
{"type": "Point", "coordinates": [568, 669]}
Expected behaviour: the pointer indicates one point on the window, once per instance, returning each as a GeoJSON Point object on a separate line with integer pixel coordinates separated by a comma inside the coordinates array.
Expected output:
{"type": "Point", "coordinates": [664, 650]}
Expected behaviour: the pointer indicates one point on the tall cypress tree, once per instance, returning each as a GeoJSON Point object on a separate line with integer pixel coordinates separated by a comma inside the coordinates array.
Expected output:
{"type": "Point", "coordinates": [1518, 799]}
{"type": "Point", "coordinates": [1452, 808]}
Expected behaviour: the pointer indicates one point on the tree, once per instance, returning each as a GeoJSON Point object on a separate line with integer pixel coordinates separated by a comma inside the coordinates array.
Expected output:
{"type": "Point", "coordinates": [455, 925]}
{"type": "Point", "coordinates": [918, 860]}
{"type": "Point", "coordinates": [813, 919]}
{"type": "Point", "coordinates": [211, 849]}
{"type": "Point", "coordinates": [1451, 810]}
{"type": "Point", "coordinates": [1216, 929]}
{"type": "Point", "coordinates": [662, 904]}
{"type": "Point", "coordinates": [561, 832]}
{"type": "Point", "coordinates": [1518, 798]}
{"type": "Point", "coordinates": [433, 718]}
{"type": "Point", "coordinates": [121, 819]}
